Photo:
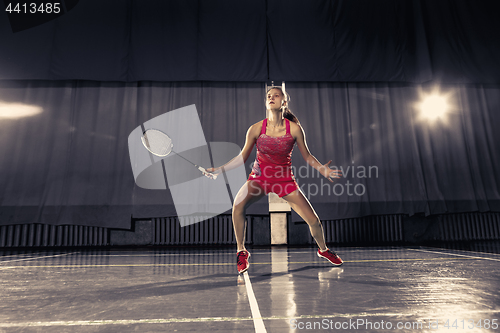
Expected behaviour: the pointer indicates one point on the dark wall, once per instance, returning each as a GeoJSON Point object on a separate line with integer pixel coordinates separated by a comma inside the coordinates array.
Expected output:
{"type": "Point", "coordinates": [257, 40]}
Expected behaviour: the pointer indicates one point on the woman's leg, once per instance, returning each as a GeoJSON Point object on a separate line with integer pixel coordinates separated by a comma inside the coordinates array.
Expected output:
{"type": "Point", "coordinates": [249, 193]}
{"type": "Point", "coordinates": [302, 206]}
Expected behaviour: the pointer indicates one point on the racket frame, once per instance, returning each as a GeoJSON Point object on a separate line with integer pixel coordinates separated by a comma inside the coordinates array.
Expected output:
{"type": "Point", "coordinates": [200, 168]}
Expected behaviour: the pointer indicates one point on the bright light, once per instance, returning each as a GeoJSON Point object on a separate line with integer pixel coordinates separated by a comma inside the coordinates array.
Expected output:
{"type": "Point", "coordinates": [433, 107]}
{"type": "Point", "coordinates": [18, 110]}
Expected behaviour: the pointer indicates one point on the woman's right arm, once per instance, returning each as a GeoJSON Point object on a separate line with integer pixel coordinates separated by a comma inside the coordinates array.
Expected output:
{"type": "Point", "coordinates": [251, 137]}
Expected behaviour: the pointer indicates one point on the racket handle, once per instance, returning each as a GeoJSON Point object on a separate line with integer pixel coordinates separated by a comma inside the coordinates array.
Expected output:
{"type": "Point", "coordinates": [206, 173]}
{"type": "Point", "coordinates": [210, 175]}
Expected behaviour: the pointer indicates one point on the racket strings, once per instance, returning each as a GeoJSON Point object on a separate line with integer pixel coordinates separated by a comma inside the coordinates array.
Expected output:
{"type": "Point", "coordinates": [157, 142]}
{"type": "Point", "coordinates": [160, 144]}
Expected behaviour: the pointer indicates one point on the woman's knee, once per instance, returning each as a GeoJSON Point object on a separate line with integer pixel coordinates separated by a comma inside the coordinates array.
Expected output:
{"type": "Point", "coordinates": [313, 222]}
{"type": "Point", "coordinates": [238, 208]}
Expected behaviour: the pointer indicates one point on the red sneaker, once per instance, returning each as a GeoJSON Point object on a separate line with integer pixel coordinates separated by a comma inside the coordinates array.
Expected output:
{"type": "Point", "coordinates": [242, 261]}
{"type": "Point", "coordinates": [331, 257]}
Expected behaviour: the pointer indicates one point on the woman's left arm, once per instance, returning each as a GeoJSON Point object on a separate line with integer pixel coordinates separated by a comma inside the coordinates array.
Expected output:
{"type": "Point", "coordinates": [324, 169]}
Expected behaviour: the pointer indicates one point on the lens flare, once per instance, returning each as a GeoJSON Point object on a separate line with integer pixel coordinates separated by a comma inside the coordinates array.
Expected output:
{"type": "Point", "coordinates": [18, 110]}
{"type": "Point", "coordinates": [433, 107]}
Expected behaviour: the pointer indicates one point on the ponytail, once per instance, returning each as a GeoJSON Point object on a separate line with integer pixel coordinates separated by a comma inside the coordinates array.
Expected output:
{"type": "Point", "coordinates": [287, 114]}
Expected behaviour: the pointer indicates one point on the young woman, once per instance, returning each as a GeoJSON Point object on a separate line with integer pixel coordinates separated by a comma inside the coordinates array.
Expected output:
{"type": "Point", "coordinates": [275, 137]}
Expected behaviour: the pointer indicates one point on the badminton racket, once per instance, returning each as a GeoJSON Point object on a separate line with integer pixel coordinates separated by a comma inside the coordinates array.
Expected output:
{"type": "Point", "coordinates": [160, 144]}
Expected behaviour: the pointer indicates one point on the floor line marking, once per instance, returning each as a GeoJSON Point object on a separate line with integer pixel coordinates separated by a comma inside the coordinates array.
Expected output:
{"type": "Point", "coordinates": [14, 255]}
{"type": "Point", "coordinates": [254, 306]}
{"type": "Point", "coordinates": [208, 319]}
{"type": "Point", "coordinates": [229, 264]}
{"type": "Point", "coordinates": [200, 254]}
{"type": "Point", "coordinates": [214, 254]}
{"type": "Point", "coordinates": [36, 258]}
{"type": "Point", "coordinates": [122, 322]}
{"type": "Point", "coordinates": [456, 254]}
{"type": "Point", "coordinates": [158, 255]}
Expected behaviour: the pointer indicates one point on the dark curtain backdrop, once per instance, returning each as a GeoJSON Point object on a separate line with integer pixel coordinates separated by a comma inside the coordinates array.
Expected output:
{"type": "Point", "coordinates": [69, 164]}
{"type": "Point", "coordinates": [453, 41]}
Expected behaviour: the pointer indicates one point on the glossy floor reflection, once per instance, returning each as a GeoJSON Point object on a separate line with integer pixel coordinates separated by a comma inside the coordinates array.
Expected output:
{"type": "Point", "coordinates": [186, 290]}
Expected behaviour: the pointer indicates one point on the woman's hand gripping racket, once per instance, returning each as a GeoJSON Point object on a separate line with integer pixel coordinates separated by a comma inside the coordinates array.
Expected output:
{"type": "Point", "coordinates": [160, 144]}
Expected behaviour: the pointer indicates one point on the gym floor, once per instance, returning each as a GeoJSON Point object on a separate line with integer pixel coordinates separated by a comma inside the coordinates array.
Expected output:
{"type": "Point", "coordinates": [404, 289]}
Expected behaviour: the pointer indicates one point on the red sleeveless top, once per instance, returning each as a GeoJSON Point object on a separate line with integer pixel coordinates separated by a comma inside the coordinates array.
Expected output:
{"type": "Point", "coordinates": [274, 155]}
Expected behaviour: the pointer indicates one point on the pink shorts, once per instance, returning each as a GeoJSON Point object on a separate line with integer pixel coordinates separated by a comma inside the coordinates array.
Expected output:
{"type": "Point", "coordinates": [281, 187]}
